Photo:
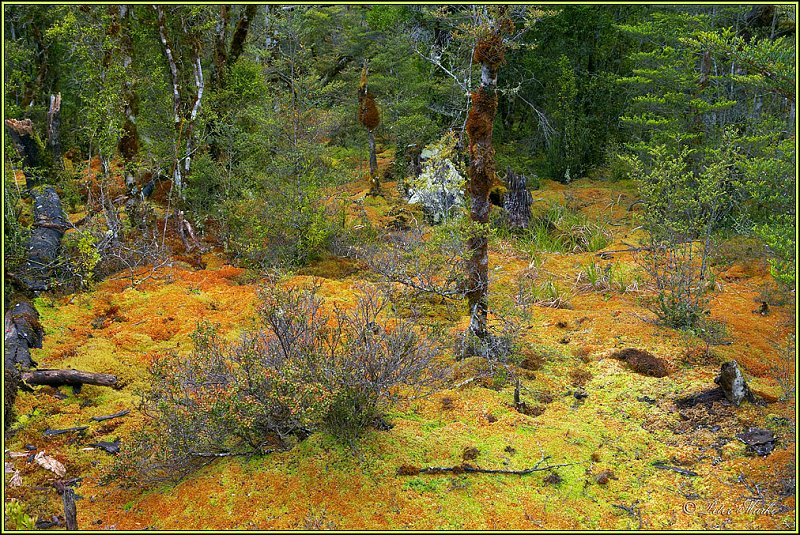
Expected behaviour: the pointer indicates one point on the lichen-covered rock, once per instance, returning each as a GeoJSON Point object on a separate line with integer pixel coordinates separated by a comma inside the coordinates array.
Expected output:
{"type": "Point", "coordinates": [440, 187]}
{"type": "Point", "coordinates": [733, 385]}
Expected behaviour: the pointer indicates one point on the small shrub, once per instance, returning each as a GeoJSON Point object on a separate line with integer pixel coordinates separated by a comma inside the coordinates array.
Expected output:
{"type": "Point", "coordinates": [273, 231]}
{"type": "Point", "coordinates": [302, 369]}
{"type": "Point", "coordinates": [16, 518]}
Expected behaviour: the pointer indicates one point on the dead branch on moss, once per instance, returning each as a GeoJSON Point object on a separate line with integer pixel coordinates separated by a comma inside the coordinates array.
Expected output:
{"type": "Point", "coordinates": [57, 432]}
{"type": "Point", "coordinates": [675, 469]}
{"type": "Point", "coordinates": [111, 416]}
{"type": "Point", "coordinates": [466, 468]}
{"type": "Point", "coordinates": [74, 378]}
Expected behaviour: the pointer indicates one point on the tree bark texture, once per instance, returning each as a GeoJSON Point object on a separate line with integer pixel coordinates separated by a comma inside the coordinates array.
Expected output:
{"type": "Point", "coordinates": [28, 148]}
{"type": "Point", "coordinates": [518, 200]}
{"type": "Point", "coordinates": [54, 130]}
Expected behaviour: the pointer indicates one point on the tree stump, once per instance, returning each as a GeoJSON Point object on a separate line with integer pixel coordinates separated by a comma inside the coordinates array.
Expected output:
{"type": "Point", "coordinates": [733, 385]}
{"type": "Point", "coordinates": [518, 200]}
{"type": "Point", "coordinates": [28, 147]}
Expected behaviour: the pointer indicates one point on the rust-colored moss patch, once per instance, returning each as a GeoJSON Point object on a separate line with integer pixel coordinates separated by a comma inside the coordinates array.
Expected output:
{"type": "Point", "coordinates": [642, 362]}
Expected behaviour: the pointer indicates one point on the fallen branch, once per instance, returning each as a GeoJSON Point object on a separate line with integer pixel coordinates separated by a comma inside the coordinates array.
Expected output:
{"type": "Point", "coordinates": [628, 250]}
{"type": "Point", "coordinates": [110, 416]}
{"type": "Point", "coordinates": [110, 447]}
{"type": "Point", "coordinates": [675, 469]}
{"type": "Point", "coordinates": [221, 454]}
{"type": "Point", "coordinates": [468, 468]}
{"type": "Point", "coordinates": [56, 432]}
{"type": "Point", "coordinates": [75, 378]}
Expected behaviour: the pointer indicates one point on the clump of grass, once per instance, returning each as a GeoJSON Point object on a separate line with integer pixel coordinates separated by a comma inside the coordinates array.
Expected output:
{"type": "Point", "coordinates": [612, 277]}
{"type": "Point", "coordinates": [561, 230]}
{"type": "Point", "coordinates": [547, 294]}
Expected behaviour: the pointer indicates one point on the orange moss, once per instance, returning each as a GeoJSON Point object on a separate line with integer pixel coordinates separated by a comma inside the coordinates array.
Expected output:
{"type": "Point", "coordinates": [368, 114]}
{"type": "Point", "coordinates": [490, 50]}
{"type": "Point", "coordinates": [481, 115]}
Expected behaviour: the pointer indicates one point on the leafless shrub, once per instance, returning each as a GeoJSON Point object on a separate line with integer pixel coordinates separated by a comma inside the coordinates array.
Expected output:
{"type": "Point", "coordinates": [304, 368]}
{"type": "Point", "coordinates": [433, 264]}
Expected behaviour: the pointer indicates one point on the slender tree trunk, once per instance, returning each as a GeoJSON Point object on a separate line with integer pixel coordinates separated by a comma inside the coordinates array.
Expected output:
{"type": "Point", "coordinates": [177, 178]}
{"type": "Point", "coordinates": [128, 145]}
{"type": "Point", "coordinates": [369, 116]}
{"type": "Point", "coordinates": [54, 130]}
{"type": "Point", "coordinates": [373, 165]}
{"type": "Point", "coordinates": [240, 33]}
{"type": "Point", "coordinates": [481, 171]}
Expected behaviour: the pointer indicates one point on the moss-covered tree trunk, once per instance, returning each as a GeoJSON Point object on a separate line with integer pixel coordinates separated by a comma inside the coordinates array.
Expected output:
{"type": "Point", "coordinates": [489, 53]}
{"type": "Point", "coordinates": [369, 116]}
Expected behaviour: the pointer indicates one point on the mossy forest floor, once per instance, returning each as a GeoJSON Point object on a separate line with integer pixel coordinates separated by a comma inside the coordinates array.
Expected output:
{"type": "Point", "coordinates": [627, 423]}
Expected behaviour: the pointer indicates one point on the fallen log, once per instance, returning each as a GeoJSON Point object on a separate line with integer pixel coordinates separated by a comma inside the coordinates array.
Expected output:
{"type": "Point", "coordinates": [68, 378]}
{"type": "Point", "coordinates": [111, 416]}
{"type": "Point", "coordinates": [23, 332]}
{"type": "Point", "coordinates": [49, 225]}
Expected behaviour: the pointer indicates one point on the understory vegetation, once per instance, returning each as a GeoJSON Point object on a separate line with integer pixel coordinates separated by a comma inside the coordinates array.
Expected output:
{"type": "Point", "coordinates": [399, 266]}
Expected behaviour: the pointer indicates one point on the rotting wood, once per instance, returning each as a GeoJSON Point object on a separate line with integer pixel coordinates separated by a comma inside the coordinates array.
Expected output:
{"type": "Point", "coordinates": [22, 332]}
{"type": "Point", "coordinates": [68, 378]}
{"type": "Point", "coordinates": [68, 499]}
{"type": "Point", "coordinates": [28, 148]}
{"type": "Point", "coordinates": [518, 200]}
